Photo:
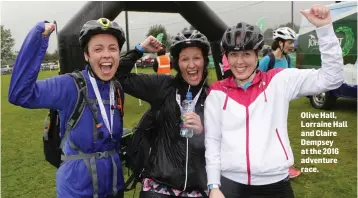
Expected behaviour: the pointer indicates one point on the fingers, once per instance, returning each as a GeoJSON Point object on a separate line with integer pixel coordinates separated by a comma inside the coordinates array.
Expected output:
{"type": "Point", "coordinates": [327, 12]}
{"type": "Point", "coordinates": [194, 124]}
{"type": "Point", "coordinates": [156, 44]}
{"type": "Point", "coordinates": [192, 120]}
{"type": "Point", "coordinates": [153, 42]}
{"type": "Point", "coordinates": [318, 15]}
{"type": "Point", "coordinates": [321, 11]}
{"type": "Point", "coordinates": [49, 28]}
{"type": "Point", "coordinates": [192, 115]}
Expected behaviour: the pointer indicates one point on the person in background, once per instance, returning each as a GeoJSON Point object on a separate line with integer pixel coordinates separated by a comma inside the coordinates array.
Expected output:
{"type": "Point", "coordinates": [282, 46]}
{"type": "Point", "coordinates": [162, 63]}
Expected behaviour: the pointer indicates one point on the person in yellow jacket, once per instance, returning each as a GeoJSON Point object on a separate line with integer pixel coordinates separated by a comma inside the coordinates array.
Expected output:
{"type": "Point", "coordinates": [161, 63]}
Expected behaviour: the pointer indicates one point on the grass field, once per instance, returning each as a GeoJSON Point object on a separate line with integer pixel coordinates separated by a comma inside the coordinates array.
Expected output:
{"type": "Point", "coordinates": [25, 173]}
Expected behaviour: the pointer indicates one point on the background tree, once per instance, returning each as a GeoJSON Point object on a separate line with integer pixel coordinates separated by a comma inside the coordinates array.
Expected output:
{"type": "Point", "coordinates": [154, 30]}
{"type": "Point", "coordinates": [7, 44]}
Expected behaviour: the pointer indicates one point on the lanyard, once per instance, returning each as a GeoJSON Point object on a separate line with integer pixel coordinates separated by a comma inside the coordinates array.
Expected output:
{"type": "Point", "coordinates": [195, 99]}
{"type": "Point", "coordinates": [101, 106]}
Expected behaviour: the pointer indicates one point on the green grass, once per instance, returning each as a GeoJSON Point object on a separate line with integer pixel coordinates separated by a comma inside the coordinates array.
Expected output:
{"type": "Point", "coordinates": [25, 173]}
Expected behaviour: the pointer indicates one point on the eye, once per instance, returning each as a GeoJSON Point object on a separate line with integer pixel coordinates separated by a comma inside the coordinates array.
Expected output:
{"type": "Point", "coordinates": [184, 59]}
{"type": "Point", "coordinates": [113, 49]}
{"type": "Point", "coordinates": [233, 54]}
{"type": "Point", "coordinates": [98, 49]}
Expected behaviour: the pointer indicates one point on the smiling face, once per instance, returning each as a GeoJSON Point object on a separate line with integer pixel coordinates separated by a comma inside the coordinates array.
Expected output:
{"type": "Point", "coordinates": [191, 65]}
{"type": "Point", "coordinates": [103, 55]}
{"type": "Point", "coordinates": [242, 63]}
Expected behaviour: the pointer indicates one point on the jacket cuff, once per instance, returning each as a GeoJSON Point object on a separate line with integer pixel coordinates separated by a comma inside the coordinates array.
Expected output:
{"type": "Point", "coordinates": [214, 177]}
{"type": "Point", "coordinates": [325, 33]}
{"type": "Point", "coordinates": [134, 54]}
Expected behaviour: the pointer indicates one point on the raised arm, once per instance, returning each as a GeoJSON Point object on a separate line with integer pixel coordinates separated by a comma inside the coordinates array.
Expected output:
{"type": "Point", "coordinates": [148, 87]}
{"type": "Point", "coordinates": [24, 90]}
{"type": "Point", "coordinates": [303, 82]}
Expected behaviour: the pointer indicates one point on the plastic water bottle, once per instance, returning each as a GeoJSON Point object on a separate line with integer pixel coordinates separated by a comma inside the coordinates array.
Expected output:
{"type": "Point", "coordinates": [187, 106]}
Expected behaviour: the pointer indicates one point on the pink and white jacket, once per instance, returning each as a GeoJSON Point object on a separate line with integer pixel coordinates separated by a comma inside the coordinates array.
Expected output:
{"type": "Point", "coordinates": [246, 136]}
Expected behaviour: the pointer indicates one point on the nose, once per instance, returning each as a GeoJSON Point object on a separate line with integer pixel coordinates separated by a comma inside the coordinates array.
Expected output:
{"type": "Point", "coordinates": [191, 64]}
{"type": "Point", "coordinates": [106, 53]}
{"type": "Point", "coordinates": [239, 60]}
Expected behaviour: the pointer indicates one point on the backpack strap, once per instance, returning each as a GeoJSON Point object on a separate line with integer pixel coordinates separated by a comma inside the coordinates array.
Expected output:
{"type": "Point", "coordinates": [88, 158]}
{"type": "Point", "coordinates": [271, 62]}
{"type": "Point", "coordinates": [79, 106]}
{"type": "Point", "coordinates": [119, 97]}
{"type": "Point", "coordinates": [288, 58]}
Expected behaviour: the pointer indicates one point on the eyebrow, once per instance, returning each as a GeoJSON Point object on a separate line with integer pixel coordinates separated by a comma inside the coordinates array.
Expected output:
{"type": "Point", "coordinates": [187, 55]}
{"type": "Point", "coordinates": [111, 45]}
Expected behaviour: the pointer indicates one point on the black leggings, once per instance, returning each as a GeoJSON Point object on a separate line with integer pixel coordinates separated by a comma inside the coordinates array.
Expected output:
{"type": "Point", "coordinates": [120, 194]}
{"type": "Point", "coordinates": [151, 194]}
{"type": "Point", "coordinates": [281, 189]}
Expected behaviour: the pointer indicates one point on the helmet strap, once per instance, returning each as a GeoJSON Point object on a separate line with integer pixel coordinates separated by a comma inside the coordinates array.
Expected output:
{"type": "Point", "coordinates": [283, 46]}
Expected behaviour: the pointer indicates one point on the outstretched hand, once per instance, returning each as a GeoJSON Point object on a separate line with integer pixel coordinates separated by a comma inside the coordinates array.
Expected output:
{"type": "Point", "coordinates": [318, 15]}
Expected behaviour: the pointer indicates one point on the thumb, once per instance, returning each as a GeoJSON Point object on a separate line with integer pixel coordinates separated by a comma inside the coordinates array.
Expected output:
{"type": "Point", "coordinates": [304, 13]}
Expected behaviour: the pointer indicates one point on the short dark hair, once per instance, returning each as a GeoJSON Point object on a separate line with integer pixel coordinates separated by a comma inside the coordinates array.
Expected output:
{"type": "Point", "coordinates": [276, 43]}
{"type": "Point", "coordinates": [161, 52]}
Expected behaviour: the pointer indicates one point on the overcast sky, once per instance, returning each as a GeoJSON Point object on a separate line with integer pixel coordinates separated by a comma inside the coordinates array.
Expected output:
{"type": "Point", "coordinates": [20, 17]}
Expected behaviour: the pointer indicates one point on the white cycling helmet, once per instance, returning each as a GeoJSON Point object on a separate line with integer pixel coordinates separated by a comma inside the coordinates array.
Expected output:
{"type": "Point", "coordinates": [284, 33]}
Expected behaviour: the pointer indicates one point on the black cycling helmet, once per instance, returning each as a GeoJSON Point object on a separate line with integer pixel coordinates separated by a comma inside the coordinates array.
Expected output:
{"type": "Point", "coordinates": [242, 36]}
{"type": "Point", "coordinates": [101, 26]}
{"type": "Point", "coordinates": [188, 38]}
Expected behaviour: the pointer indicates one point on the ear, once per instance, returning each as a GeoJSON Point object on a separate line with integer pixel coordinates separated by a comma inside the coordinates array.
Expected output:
{"type": "Point", "coordinates": [86, 56]}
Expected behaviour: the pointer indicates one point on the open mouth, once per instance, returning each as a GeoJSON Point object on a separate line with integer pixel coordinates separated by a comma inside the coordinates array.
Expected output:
{"type": "Point", "coordinates": [106, 68]}
{"type": "Point", "coordinates": [193, 75]}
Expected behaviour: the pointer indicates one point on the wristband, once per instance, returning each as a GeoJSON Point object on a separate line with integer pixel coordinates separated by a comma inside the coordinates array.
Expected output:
{"type": "Point", "coordinates": [212, 186]}
{"type": "Point", "coordinates": [140, 48]}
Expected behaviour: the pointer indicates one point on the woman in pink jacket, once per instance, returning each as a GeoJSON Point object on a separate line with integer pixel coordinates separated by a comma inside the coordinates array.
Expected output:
{"type": "Point", "coordinates": [248, 152]}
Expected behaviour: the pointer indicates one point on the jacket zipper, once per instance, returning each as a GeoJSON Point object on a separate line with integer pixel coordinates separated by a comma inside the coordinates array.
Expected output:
{"type": "Point", "coordinates": [283, 147]}
{"type": "Point", "coordinates": [247, 148]}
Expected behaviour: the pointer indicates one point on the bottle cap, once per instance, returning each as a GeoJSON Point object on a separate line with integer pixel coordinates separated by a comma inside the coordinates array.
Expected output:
{"type": "Point", "coordinates": [189, 95]}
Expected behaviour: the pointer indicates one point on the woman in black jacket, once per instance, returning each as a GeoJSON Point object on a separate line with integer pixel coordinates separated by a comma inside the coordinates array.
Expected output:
{"type": "Point", "coordinates": [176, 165]}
